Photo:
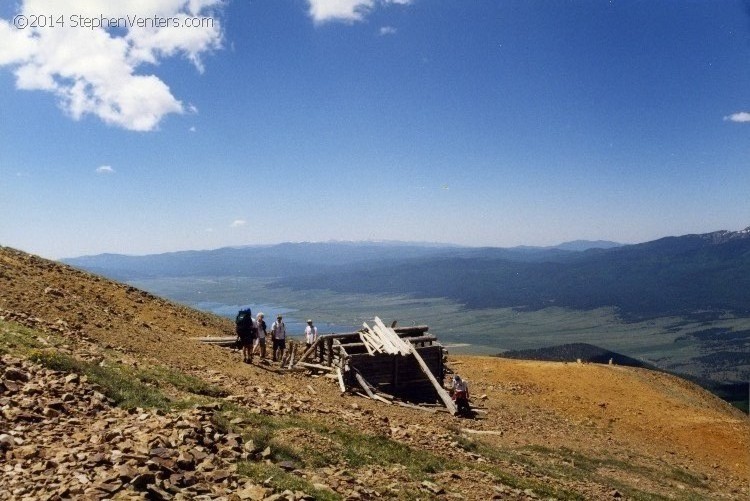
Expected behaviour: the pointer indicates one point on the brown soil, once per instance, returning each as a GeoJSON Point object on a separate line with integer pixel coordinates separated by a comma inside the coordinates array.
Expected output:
{"type": "Point", "coordinates": [543, 416]}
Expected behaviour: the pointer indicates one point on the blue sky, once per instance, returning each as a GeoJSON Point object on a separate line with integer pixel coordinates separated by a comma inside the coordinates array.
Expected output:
{"type": "Point", "coordinates": [480, 122]}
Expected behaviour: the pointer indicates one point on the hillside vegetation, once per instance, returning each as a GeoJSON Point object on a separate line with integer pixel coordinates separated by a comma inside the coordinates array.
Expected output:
{"type": "Point", "coordinates": [551, 430]}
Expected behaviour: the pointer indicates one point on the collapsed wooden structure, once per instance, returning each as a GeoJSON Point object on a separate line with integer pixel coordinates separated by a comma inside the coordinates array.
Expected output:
{"type": "Point", "coordinates": [390, 364]}
{"type": "Point", "coordinates": [384, 362]}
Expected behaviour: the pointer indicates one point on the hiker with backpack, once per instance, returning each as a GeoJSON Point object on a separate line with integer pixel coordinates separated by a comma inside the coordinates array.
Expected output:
{"type": "Point", "coordinates": [247, 330]}
{"type": "Point", "coordinates": [278, 334]}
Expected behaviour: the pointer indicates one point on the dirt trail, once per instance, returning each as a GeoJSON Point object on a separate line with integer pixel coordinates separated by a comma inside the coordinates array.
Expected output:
{"type": "Point", "coordinates": [538, 409]}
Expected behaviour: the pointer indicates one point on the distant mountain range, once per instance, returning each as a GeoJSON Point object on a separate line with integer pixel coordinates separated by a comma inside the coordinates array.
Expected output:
{"type": "Point", "coordinates": [301, 258]}
{"type": "Point", "coordinates": [686, 275]}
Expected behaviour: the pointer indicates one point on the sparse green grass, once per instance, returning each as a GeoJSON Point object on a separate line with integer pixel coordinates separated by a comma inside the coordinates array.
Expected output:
{"type": "Point", "coordinates": [116, 384]}
{"type": "Point", "coordinates": [159, 375]}
{"type": "Point", "coordinates": [357, 449]}
{"type": "Point", "coordinates": [281, 480]}
{"type": "Point", "coordinates": [126, 386]}
{"type": "Point", "coordinates": [574, 465]}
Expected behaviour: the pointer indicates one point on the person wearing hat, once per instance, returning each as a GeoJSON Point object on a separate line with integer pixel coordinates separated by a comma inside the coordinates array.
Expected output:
{"type": "Point", "coordinates": [260, 338]}
{"type": "Point", "coordinates": [311, 334]}
{"type": "Point", "coordinates": [460, 394]}
{"type": "Point", "coordinates": [278, 335]}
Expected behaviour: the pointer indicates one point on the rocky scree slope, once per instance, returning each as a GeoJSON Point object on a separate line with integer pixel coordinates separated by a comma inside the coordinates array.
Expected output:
{"type": "Point", "coordinates": [249, 432]}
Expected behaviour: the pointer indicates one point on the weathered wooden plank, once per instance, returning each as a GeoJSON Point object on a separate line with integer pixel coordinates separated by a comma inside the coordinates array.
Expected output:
{"type": "Point", "coordinates": [391, 339]}
{"type": "Point", "coordinates": [307, 352]}
{"type": "Point", "coordinates": [316, 366]}
{"type": "Point", "coordinates": [482, 432]}
{"type": "Point", "coordinates": [427, 338]}
{"type": "Point", "coordinates": [381, 399]}
{"type": "Point", "coordinates": [411, 330]}
{"type": "Point", "coordinates": [366, 342]}
{"type": "Point", "coordinates": [340, 377]}
{"type": "Point", "coordinates": [399, 343]}
{"type": "Point", "coordinates": [329, 348]}
{"type": "Point", "coordinates": [364, 384]}
{"type": "Point", "coordinates": [386, 346]}
{"type": "Point", "coordinates": [449, 404]}
{"type": "Point", "coordinates": [371, 341]}
{"type": "Point", "coordinates": [412, 406]}
{"type": "Point", "coordinates": [291, 355]}
{"type": "Point", "coordinates": [213, 339]}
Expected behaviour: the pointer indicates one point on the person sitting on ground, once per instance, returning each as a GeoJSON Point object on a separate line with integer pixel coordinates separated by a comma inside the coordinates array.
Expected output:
{"type": "Point", "coordinates": [278, 334]}
{"type": "Point", "coordinates": [460, 393]}
{"type": "Point", "coordinates": [260, 338]}
{"type": "Point", "coordinates": [311, 334]}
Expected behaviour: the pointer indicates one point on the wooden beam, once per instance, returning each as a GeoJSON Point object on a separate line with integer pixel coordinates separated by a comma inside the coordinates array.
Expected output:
{"type": "Point", "coordinates": [411, 406]}
{"type": "Point", "coordinates": [365, 341]}
{"type": "Point", "coordinates": [411, 330]}
{"type": "Point", "coordinates": [447, 400]}
{"type": "Point", "coordinates": [381, 399]}
{"type": "Point", "coordinates": [371, 341]}
{"type": "Point", "coordinates": [308, 351]}
{"type": "Point", "coordinates": [364, 385]}
{"type": "Point", "coordinates": [391, 337]}
{"type": "Point", "coordinates": [291, 356]}
{"type": "Point", "coordinates": [340, 377]}
{"type": "Point", "coordinates": [482, 432]}
{"type": "Point", "coordinates": [420, 339]}
{"type": "Point", "coordinates": [329, 348]}
{"type": "Point", "coordinates": [316, 366]}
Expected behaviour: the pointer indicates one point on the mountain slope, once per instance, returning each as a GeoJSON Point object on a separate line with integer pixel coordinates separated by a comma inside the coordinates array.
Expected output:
{"type": "Point", "coordinates": [561, 430]}
{"type": "Point", "coordinates": [670, 276]}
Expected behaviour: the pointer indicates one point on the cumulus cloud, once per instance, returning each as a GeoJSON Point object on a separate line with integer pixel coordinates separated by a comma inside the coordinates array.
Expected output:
{"type": "Point", "coordinates": [387, 30]}
{"type": "Point", "coordinates": [105, 169]}
{"type": "Point", "coordinates": [238, 223]}
{"type": "Point", "coordinates": [741, 117]}
{"type": "Point", "coordinates": [105, 72]}
{"type": "Point", "coordinates": [345, 10]}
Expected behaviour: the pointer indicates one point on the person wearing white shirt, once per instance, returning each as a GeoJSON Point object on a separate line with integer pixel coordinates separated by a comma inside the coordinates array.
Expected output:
{"type": "Point", "coordinates": [278, 333]}
{"type": "Point", "coordinates": [311, 335]}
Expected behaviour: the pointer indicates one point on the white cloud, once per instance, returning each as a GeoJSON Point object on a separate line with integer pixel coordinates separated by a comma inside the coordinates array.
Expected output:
{"type": "Point", "coordinates": [741, 117]}
{"type": "Point", "coordinates": [98, 72]}
{"type": "Point", "coordinates": [345, 10]}
{"type": "Point", "coordinates": [237, 223]}
{"type": "Point", "coordinates": [387, 30]}
{"type": "Point", "coordinates": [105, 169]}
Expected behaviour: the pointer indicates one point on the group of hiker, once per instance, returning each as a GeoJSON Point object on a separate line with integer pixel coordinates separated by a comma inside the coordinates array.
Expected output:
{"type": "Point", "coordinates": [252, 334]}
